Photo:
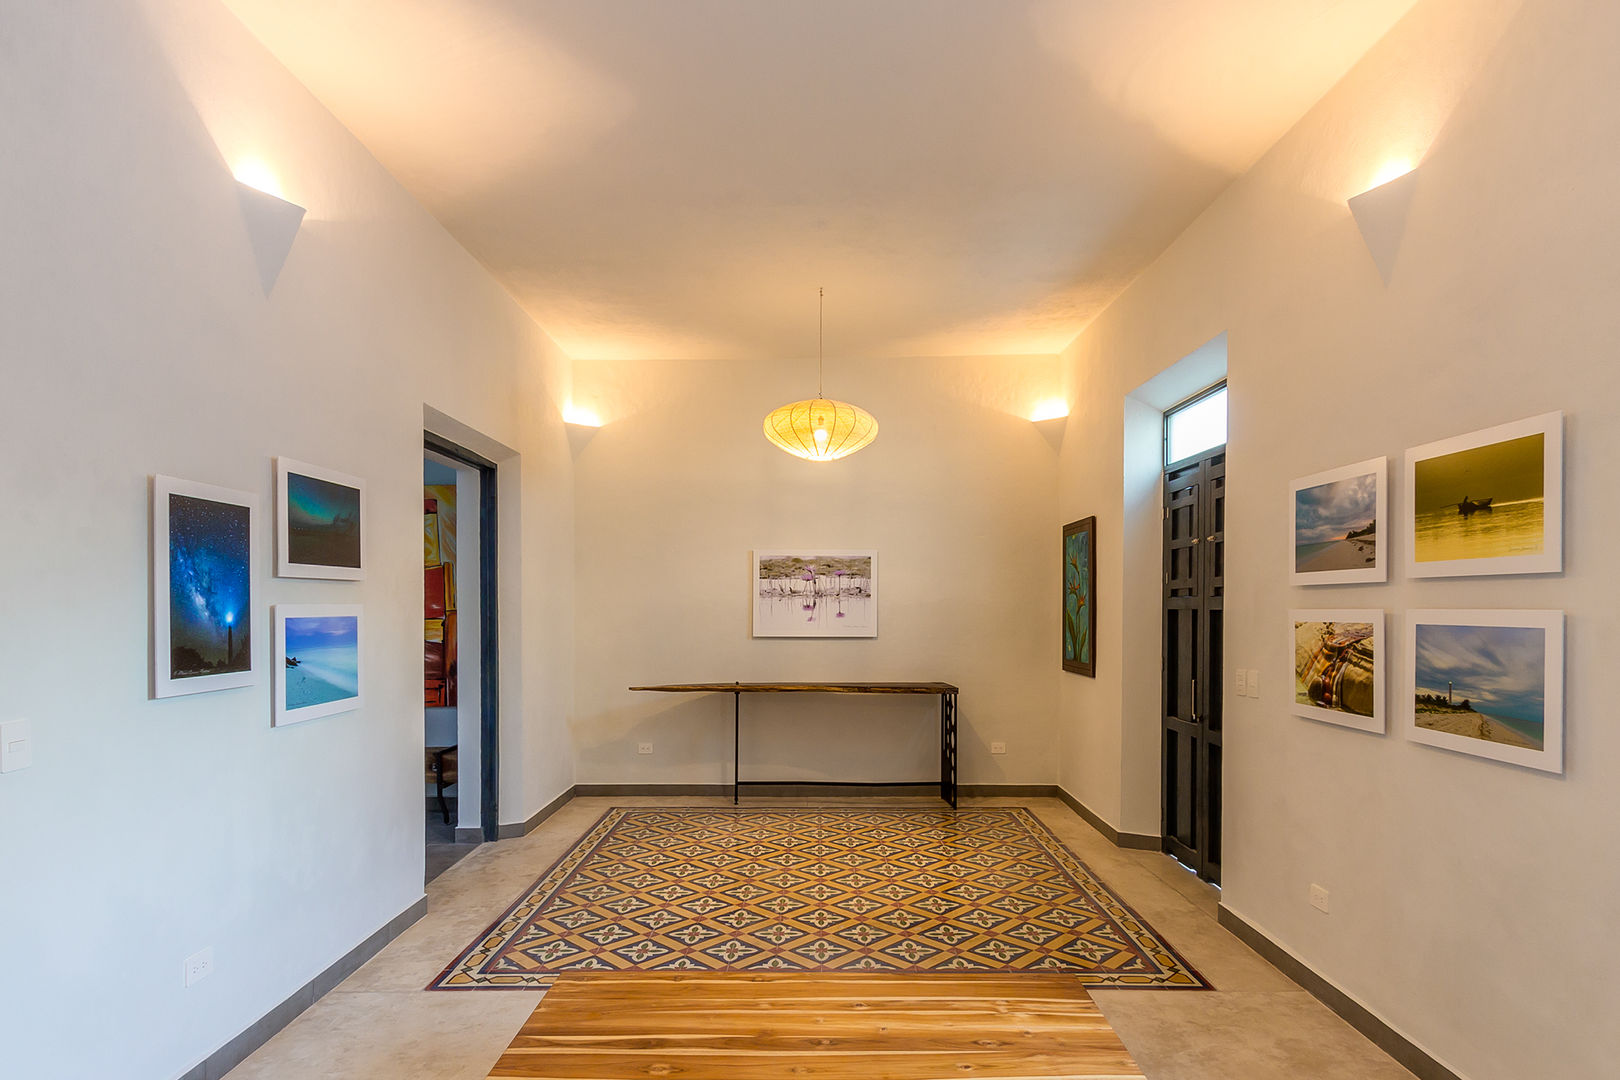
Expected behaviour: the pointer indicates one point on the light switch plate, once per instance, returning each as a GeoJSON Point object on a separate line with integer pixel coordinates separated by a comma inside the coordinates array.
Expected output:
{"type": "Point", "coordinates": [16, 746]}
{"type": "Point", "coordinates": [1242, 682]}
{"type": "Point", "coordinates": [1254, 682]}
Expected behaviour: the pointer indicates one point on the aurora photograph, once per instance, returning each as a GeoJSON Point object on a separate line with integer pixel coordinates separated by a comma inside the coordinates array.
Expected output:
{"type": "Point", "coordinates": [210, 587]}
{"type": "Point", "coordinates": [323, 522]}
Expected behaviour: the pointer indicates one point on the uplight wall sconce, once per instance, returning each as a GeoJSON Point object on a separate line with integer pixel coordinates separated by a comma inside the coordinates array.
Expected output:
{"type": "Point", "coordinates": [1051, 419]}
{"type": "Point", "coordinates": [272, 222]}
{"type": "Point", "coordinates": [1380, 214]}
{"type": "Point", "coordinates": [581, 425]}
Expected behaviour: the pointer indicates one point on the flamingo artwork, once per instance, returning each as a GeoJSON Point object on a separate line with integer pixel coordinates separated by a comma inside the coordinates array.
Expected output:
{"type": "Point", "coordinates": [790, 590]}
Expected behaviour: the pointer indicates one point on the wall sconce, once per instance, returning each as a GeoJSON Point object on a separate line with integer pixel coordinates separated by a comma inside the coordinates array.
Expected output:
{"type": "Point", "coordinates": [1380, 214]}
{"type": "Point", "coordinates": [1051, 418]}
{"type": "Point", "coordinates": [272, 222]}
{"type": "Point", "coordinates": [581, 424]}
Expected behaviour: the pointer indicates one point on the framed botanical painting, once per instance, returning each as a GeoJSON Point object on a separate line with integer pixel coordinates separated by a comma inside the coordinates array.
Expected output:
{"type": "Point", "coordinates": [1488, 683]}
{"type": "Point", "coordinates": [204, 548]}
{"type": "Point", "coordinates": [816, 593]}
{"type": "Point", "coordinates": [1339, 517]}
{"type": "Point", "coordinates": [320, 522]}
{"type": "Point", "coordinates": [317, 661]}
{"type": "Point", "coordinates": [1490, 502]}
{"type": "Point", "coordinates": [1339, 667]}
{"type": "Point", "coordinates": [1080, 596]}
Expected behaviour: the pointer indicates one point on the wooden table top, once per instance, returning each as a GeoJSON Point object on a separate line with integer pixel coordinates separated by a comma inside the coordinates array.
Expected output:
{"type": "Point", "coordinates": [804, 688]}
{"type": "Point", "coordinates": [867, 1026]}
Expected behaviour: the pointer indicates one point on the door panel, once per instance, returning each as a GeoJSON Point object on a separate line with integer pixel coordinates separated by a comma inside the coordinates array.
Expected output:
{"type": "Point", "coordinates": [1194, 596]}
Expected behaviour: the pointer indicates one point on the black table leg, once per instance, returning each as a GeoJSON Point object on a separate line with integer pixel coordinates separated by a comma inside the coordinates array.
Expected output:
{"type": "Point", "coordinates": [947, 748]}
{"type": "Point", "coordinates": [736, 739]}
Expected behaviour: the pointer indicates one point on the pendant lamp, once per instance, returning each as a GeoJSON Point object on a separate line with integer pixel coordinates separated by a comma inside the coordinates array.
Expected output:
{"type": "Point", "coordinates": [820, 429]}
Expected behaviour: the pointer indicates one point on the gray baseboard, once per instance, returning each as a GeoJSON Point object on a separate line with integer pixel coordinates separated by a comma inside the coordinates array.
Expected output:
{"type": "Point", "coordinates": [1138, 841]}
{"type": "Point", "coordinates": [1386, 1038]}
{"type": "Point", "coordinates": [524, 828]}
{"type": "Point", "coordinates": [234, 1052]}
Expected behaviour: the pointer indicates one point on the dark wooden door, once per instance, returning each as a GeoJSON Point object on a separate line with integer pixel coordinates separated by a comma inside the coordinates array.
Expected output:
{"type": "Point", "coordinates": [1194, 587]}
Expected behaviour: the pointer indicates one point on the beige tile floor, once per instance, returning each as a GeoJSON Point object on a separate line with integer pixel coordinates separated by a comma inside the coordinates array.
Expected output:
{"type": "Point", "coordinates": [381, 1025]}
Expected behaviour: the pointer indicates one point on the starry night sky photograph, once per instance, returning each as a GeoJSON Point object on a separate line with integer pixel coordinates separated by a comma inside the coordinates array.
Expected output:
{"type": "Point", "coordinates": [209, 587]}
{"type": "Point", "coordinates": [323, 522]}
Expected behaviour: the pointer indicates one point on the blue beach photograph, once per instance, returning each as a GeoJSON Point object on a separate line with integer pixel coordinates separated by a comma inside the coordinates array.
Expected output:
{"type": "Point", "coordinates": [210, 587]}
{"type": "Point", "coordinates": [322, 660]}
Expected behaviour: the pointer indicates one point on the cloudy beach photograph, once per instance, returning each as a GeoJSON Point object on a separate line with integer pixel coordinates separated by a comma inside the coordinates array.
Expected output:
{"type": "Point", "coordinates": [1337, 523]}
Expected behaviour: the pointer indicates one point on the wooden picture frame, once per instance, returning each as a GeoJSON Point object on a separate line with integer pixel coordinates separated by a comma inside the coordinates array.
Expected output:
{"type": "Point", "coordinates": [205, 552]}
{"type": "Point", "coordinates": [1079, 619]}
{"type": "Point", "coordinates": [320, 522]}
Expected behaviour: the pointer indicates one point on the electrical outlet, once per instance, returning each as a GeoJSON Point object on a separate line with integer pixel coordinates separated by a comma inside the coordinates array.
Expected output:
{"type": "Point", "coordinates": [199, 965]}
{"type": "Point", "coordinates": [1242, 682]}
{"type": "Point", "coordinates": [643, 747]}
{"type": "Point", "coordinates": [1254, 683]}
{"type": "Point", "coordinates": [998, 748]}
{"type": "Point", "coordinates": [1319, 899]}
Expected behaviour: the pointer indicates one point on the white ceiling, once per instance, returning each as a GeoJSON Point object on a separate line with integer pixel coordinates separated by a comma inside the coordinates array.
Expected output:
{"type": "Point", "coordinates": [674, 178]}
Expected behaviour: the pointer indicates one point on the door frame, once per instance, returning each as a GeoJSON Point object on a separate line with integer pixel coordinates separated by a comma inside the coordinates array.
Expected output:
{"type": "Point", "coordinates": [489, 672]}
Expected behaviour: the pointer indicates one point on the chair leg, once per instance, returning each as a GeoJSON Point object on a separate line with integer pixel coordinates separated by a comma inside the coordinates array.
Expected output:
{"type": "Point", "coordinates": [444, 807]}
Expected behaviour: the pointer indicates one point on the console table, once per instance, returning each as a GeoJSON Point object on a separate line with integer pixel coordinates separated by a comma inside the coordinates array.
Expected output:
{"type": "Point", "coordinates": [947, 724]}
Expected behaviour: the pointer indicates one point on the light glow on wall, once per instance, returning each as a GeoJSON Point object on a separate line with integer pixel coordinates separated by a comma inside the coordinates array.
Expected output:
{"type": "Point", "coordinates": [1050, 409]}
{"type": "Point", "coordinates": [257, 175]}
{"type": "Point", "coordinates": [1393, 169]}
{"type": "Point", "coordinates": [575, 414]}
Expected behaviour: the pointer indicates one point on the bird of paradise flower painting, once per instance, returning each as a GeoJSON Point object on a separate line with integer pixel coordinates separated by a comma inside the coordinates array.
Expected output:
{"type": "Point", "coordinates": [1079, 596]}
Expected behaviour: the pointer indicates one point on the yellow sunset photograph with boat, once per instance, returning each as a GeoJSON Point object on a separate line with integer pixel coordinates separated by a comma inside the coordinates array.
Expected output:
{"type": "Point", "coordinates": [1338, 669]}
{"type": "Point", "coordinates": [1488, 503]}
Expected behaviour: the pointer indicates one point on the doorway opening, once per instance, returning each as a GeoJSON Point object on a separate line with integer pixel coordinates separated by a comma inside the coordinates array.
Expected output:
{"type": "Point", "coordinates": [460, 652]}
{"type": "Point", "coordinates": [1193, 619]}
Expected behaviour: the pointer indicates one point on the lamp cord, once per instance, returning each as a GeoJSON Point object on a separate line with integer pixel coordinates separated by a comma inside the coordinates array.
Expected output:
{"type": "Point", "coordinates": [821, 304]}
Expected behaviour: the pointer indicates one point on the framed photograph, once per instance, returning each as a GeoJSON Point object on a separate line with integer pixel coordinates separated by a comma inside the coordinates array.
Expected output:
{"type": "Point", "coordinates": [815, 594]}
{"type": "Point", "coordinates": [1491, 502]}
{"type": "Point", "coordinates": [1080, 596]}
{"type": "Point", "coordinates": [317, 661]}
{"type": "Point", "coordinates": [204, 547]}
{"type": "Point", "coordinates": [1339, 667]}
{"type": "Point", "coordinates": [320, 522]}
{"type": "Point", "coordinates": [1488, 683]}
{"type": "Point", "coordinates": [1338, 516]}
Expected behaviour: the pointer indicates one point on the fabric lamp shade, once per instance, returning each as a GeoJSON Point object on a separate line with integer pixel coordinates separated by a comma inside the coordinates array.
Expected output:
{"type": "Point", "coordinates": [820, 429]}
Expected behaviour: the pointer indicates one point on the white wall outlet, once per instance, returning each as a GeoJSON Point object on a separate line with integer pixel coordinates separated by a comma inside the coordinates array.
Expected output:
{"type": "Point", "coordinates": [998, 748]}
{"type": "Point", "coordinates": [1242, 682]}
{"type": "Point", "coordinates": [1319, 899]}
{"type": "Point", "coordinates": [643, 747]}
{"type": "Point", "coordinates": [199, 965]}
{"type": "Point", "coordinates": [1254, 682]}
{"type": "Point", "coordinates": [16, 746]}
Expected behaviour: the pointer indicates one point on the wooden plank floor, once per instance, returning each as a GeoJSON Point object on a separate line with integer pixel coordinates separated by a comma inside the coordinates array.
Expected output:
{"type": "Point", "coordinates": [742, 1026]}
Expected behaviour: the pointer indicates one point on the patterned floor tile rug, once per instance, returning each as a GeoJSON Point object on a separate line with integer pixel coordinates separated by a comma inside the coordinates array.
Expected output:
{"type": "Point", "coordinates": [982, 889]}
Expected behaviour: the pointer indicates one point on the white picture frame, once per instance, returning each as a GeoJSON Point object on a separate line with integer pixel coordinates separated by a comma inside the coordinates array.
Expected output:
{"type": "Point", "coordinates": [306, 545]}
{"type": "Point", "coordinates": [326, 646]}
{"type": "Point", "coordinates": [1438, 471]}
{"type": "Point", "coordinates": [205, 557]}
{"type": "Point", "coordinates": [1506, 670]}
{"type": "Point", "coordinates": [1319, 676]}
{"type": "Point", "coordinates": [1337, 501]}
{"type": "Point", "coordinates": [838, 600]}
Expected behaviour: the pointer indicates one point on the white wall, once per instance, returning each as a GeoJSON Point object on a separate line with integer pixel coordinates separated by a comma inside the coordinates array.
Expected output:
{"type": "Point", "coordinates": [1473, 902]}
{"type": "Point", "coordinates": [680, 486]}
{"type": "Point", "coordinates": [135, 338]}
